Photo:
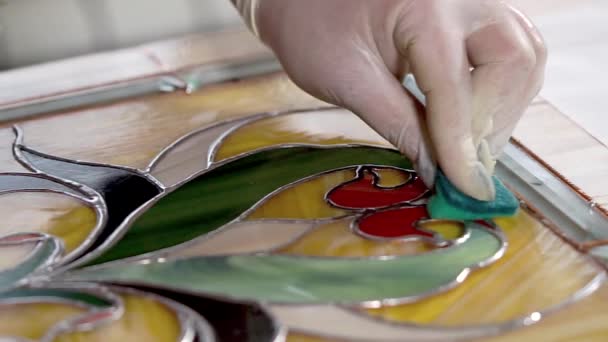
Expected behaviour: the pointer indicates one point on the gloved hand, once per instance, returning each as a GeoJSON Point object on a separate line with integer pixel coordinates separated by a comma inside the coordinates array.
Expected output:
{"type": "Point", "coordinates": [478, 62]}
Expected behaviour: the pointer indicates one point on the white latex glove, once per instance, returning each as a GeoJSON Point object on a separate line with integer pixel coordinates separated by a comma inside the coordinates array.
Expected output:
{"type": "Point", "coordinates": [355, 53]}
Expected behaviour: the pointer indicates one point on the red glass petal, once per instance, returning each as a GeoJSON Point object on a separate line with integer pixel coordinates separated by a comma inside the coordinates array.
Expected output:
{"type": "Point", "coordinates": [394, 223]}
{"type": "Point", "coordinates": [485, 224]}
{"type": "Point", "coordinates": [363, 193]}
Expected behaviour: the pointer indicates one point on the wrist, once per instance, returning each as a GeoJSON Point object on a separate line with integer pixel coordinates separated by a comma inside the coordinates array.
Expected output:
{"type": "Point", "coordinates": [249, 12]}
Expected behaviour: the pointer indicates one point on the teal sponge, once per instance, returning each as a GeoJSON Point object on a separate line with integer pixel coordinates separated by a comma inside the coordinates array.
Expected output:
{"type": "Point", "coordinates": [450, 204]}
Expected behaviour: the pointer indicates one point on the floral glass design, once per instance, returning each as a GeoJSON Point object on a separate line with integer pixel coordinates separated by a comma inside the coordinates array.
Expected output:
{"type": "Point", "coordinates": [255, 228]}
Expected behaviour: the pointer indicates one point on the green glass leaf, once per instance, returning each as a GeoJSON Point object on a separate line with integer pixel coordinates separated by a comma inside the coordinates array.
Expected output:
{"type": "Point", "coordinates": [56, 295]}
{"type": "Point", "coordinates": [222, 194]}
{"type": "Point", "coordinates": [305, 280]}
{"type": "Point", "coordinates": [46, 252]}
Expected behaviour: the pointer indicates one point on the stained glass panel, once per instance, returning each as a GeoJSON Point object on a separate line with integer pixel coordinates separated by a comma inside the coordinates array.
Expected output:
{"type": "Point", "coordinates": [264, 218]}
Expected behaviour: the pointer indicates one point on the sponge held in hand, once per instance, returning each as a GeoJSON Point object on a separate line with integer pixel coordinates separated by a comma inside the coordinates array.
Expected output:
{"type": "Point", "coordinates": [450, 204]}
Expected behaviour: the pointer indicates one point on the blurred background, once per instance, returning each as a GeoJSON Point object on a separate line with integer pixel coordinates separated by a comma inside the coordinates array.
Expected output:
{"type": "Point", "coordinates": [34, 31]}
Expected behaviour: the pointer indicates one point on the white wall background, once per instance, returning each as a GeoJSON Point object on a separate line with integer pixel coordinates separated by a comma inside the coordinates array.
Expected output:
{"type": "Point", "coordinates": [34, 31]}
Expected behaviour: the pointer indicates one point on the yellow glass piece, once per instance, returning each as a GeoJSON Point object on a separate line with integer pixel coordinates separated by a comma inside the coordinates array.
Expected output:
{"type": "Point", "coordinates": [390, 178]}
{"type": "Point", "coordinates": [32, 321]}
{"type": "Point", "coordinates": [336, 239]}
{"type": "Point", "coordinates": [295, 337]}
{"type": "Point", "coordinates": [582, 321]}
{"type": "Point", "coordinates": [538, 271]}
{"type": "Point", "coordinates": [328, 127]}
{"type": "Point", "coordinates": [305, 200]}
{"type": "Point", "coordinates": [447, 230]}
{"type": "Point", "coordinates": [13, 255]}
{"type": "Point", "coordinates": [144, 319]}
{"type": "Point", "coordinates": [189, 156]}
{"type": "Point", "coordinates": [51, 213]}
{"type": "Point", "coordinates": [134, 131]}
